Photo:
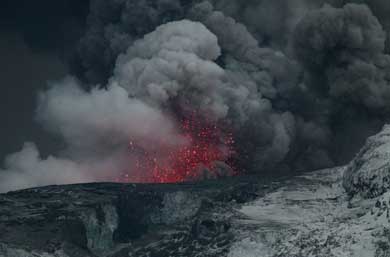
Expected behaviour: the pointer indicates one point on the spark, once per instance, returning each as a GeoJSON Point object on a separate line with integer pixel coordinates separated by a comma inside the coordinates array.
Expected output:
{"type": "Point", "coordinates": [207, 144]}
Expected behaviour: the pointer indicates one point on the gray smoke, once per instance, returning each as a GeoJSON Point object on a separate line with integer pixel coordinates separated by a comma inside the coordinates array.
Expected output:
{"type": "Point", "coordinates": [345, 47]}
{"type": "Point", "coordinates": [301, 84]}
{"type": "Point", "coordinates": [342, 51]}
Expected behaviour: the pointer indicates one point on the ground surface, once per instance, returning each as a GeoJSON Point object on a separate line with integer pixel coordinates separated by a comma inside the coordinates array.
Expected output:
{"type": "Point", "coordinates": [312, 215]}
{"type": "Point", "coordinates": [309, 215]}
{"type": "Point", "coordinates": [124, 220]}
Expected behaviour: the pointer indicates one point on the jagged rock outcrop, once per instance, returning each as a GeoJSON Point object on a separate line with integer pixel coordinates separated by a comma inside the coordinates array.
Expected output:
{"type": "Point", "coordinates": [368, 175]}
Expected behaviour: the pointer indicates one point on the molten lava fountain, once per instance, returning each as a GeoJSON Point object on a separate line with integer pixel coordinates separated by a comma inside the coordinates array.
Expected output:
{"type": "Point", "coordinates": [208, 144]}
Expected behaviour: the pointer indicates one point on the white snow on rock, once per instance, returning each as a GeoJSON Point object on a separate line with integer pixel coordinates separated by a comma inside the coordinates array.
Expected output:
{"type": "Point", "coordinates": [9, 251]}
{"type": "Point", "coordinates": [177, 207]}
{"type": "Point", "coordinates": [311, 216]}
{"type": "Point", "coordinates": [368, 175]}
{"type": "Point", "coordinates": [100, 233]}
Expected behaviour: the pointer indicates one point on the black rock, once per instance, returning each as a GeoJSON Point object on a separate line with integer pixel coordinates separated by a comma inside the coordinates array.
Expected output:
{"type": "Point", "coordinates": [108, 219]}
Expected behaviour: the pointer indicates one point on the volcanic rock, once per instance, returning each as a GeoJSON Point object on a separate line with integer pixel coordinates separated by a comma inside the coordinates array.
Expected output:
{"type": "Point", "coordinates": [117, 220]}
{"type": "Point", "coordinates": [368, 175]}
{"type": "Point", "coordinates": [307, 215]}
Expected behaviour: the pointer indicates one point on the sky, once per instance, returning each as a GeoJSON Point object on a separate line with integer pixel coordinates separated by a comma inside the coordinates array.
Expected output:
{"type": "Point", "coordinates": [32, 39]}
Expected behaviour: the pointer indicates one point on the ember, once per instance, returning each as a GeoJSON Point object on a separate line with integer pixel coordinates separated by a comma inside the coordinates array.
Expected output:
{"type": "Point", "coordinates": [207, 145]}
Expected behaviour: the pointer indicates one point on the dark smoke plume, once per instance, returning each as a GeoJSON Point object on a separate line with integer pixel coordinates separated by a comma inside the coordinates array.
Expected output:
{"type": "Point", "coordinates": [300, 83]}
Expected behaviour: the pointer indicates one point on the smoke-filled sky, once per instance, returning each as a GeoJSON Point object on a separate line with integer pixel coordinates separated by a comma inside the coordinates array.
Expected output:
{"type": "Point", "coordinates": [34, 36]}
{"type": "Point", "coordinates": [101, 88]}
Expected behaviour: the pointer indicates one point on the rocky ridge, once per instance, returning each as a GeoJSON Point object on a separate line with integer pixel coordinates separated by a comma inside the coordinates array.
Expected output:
{"type": "Point", "coordinates": [96, 220]}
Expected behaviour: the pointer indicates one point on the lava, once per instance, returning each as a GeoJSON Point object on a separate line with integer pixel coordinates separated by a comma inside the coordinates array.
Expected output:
{"type": "Point", "coordinates": [207, 144]}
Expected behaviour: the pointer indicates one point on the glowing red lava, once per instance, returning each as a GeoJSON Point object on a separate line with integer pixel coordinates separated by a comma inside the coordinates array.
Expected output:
{"type": "Point", "coordinates": [207, 145]}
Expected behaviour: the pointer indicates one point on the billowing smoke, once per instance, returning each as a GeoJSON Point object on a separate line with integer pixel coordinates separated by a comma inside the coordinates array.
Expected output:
{"type": "Point", "coordinates": [273, 85]}
{"type": "Point", "coordinates": [345, 47]}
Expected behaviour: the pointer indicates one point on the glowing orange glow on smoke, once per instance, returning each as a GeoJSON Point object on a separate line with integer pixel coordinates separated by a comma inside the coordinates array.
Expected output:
{"type": "Point", "coordinates": [206, 145]}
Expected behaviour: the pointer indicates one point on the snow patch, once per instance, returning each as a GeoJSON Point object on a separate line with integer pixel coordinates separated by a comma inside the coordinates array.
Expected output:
{"type": "Point", "coordinates": [177, 206]}
{"type": "Point", "coordinates": [312, 216]}
{"type": "Point", "coordinates": [9, 251]}
{"type": "Point", "coordinates": [368, 175]}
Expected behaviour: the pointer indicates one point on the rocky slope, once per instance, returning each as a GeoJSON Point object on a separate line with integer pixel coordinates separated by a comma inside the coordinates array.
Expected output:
{"type": "Point", "coordinates": [312, 215]}
{"type": "Point", "coordinates": [368, 175]}
{"type": "Point", "coordinates": [331, 213]}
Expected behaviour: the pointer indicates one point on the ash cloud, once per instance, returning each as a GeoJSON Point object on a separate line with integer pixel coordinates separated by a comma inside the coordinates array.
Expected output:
{"type": "Point", "coordinates": [301, 84]}
{"type": "Point", "coordinates": [346, 47]}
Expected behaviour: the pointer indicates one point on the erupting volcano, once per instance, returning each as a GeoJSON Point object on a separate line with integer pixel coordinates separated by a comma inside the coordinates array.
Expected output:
{"type": "Point", "coordinates": [207, 149]}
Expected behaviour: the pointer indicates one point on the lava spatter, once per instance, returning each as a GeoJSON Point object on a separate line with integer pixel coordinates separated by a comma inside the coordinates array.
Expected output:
{"type": "Point", "coordinates": [207, 143]}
